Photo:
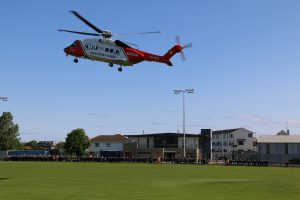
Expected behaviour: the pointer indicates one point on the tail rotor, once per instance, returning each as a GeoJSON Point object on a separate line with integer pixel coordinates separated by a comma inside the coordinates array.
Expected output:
{"type": "Point", "coordinates": [189, 45]}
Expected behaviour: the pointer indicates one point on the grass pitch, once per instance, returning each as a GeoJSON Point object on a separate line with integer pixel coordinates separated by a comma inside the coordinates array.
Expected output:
{"type": "Point", "coordinates": [61, 180]}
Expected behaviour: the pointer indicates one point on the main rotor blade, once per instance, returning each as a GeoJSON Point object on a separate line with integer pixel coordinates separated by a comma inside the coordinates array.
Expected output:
{"type": "Point", "coordinates": [141, 33]}
{"type": "Point", "coordinates": [83, 33]}
{"type": "Point", "coordinates": [149, 32]}
{"type": "Point", "coordinates": [130, 43]}
{"type": "Point", "coordinates": [86, 22]}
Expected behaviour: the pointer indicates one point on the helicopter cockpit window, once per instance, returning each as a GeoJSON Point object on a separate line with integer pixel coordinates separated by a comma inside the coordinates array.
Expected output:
{"type": "Point", "coordinates": [73, 44]}
{"type": "Point", "coordinates": [106, 49]}
{"type": "Point", "coordinates": [111, 51]}
{"type": "Point", "coordinates": [117, 52]}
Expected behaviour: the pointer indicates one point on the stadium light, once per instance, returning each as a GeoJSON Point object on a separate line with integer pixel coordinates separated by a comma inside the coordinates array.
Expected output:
{"type": "Point", "coordinates": [189, 91]}
{"type": "Point", "coordinates": [3, 98]}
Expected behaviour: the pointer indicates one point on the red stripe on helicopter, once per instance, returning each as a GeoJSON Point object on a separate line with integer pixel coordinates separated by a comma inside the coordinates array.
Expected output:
{"type": "Point", "coordinates": [134, 56]}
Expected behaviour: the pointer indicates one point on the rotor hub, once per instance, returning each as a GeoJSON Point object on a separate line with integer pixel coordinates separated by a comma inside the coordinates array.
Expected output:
{"type": "Point", "coordinates": [107, 34]}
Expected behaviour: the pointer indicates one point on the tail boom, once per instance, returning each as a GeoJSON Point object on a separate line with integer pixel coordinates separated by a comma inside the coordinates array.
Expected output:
{"type": "Point", "coordinates": [165, 58]}
{"type": "Point", "coordinates": [175, 49]}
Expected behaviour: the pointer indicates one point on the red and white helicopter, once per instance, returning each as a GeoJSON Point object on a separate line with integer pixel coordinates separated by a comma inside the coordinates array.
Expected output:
{"type": "Point", "coordinates": [116, 52]}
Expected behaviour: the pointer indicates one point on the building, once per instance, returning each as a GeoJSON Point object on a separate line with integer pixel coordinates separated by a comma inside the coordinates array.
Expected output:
{"type": "Point", "coordinates": [232, 143]}
{"type": "Point", "coordinates": [3, 154]}
{"type": "Point", "coordinates": [165, 145]}
{"type": "Point", "coordinates": [108, 145]}
{"type": "Point", "coordinates": [47, 145]}
{"type": "Point", "coordinates": [205, 144]}
{"type": "Point", "coordinates": [278, 149]}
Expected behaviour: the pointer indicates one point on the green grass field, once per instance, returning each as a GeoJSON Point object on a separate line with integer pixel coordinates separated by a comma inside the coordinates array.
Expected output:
{"type": "Point", "coordinates": [55, 180]}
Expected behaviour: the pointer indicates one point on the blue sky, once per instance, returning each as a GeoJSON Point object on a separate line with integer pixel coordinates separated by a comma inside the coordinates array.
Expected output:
{"type": "Point", "coordinates": [244, 67]}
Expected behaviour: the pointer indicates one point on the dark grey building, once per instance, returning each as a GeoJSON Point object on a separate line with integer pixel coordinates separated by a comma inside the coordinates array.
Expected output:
{"type": "Point", "coordinates": [278, 149]}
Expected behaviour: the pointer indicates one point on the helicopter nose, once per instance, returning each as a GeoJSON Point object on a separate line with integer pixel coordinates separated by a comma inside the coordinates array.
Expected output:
{"type": "Point", "coordinates": [66, 50]}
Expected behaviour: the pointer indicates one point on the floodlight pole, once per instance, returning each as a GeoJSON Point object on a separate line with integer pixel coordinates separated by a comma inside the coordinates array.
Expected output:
{"type": "Point", "coordinates": [3, 98]}
{"type": "Point", "coordinates": [190, 91]}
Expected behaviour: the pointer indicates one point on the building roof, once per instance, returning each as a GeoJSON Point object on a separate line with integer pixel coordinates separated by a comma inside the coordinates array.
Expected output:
{"type": "Point", "coordinates": [282, 132]}
{"type": "Point", "coordinates": [109, 138]}
{"type": "Point", "coordinates": [278, 138]}
{"type": "Point", "coordinates": [164, 134]}
{"type": "Point", "coordinates": [225, 131]}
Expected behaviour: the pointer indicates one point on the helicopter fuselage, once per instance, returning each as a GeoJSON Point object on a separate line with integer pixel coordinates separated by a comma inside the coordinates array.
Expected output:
{"type": "Point", "coordinates": [115, 52]}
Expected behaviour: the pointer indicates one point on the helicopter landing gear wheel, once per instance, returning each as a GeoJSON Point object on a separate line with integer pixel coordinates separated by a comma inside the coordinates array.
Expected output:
{"type": "Point", "coordinates": [75, 60]}
{"type": "Point", "coordinates": [110, 64]}
{"type": "Point", "coordinates": [120, 69]}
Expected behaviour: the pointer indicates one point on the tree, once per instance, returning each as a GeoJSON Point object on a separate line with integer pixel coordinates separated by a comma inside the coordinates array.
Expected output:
{"type": "Point", "coordinates": [9, 132]}
{"type": "Point", "coordinates": [59, 147]}
{"type": "Point", "coordinates": [77, 142]}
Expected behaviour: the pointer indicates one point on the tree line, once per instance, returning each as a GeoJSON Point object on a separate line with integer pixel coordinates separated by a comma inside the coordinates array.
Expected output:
{"type": "Point", "coordinates": [75, 144]}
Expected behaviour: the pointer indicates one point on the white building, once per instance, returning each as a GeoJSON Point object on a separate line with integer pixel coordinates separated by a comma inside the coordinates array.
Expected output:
{"type": "Point", "coordinates": [239, 139]}
{"type": "Point", "coordinates": [233, 143]}
{"type": "Point", "coordinates": [108, 145]}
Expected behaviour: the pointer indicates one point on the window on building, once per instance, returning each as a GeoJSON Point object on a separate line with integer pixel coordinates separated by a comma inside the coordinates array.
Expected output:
{"type": "Point", "coordinates": [117, 52]}
{"type": "Point", "coordinates": [96, 144]}
{"type": "Point", "coordinates": [106, 49]}
{"type": "Point", "coordinates": [111, 51]}
{"type": "Point", "coordinates": [240, 142]}
{"type": "Point", "coordinates": [147, 142]}
{"type": "Point", "coordinates": [108, 144]}
{"type": "Point", "coordinates": [286, 148]}
{"type": "Point", "coordinates": [231, 135]}
{"type": "Point", "coordinates": [250, 135]}
{"type": "Point", "coordinates": [162, 141]}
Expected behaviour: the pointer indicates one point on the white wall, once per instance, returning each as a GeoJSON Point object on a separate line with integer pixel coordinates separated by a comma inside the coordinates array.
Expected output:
{"type": "Point", "coordinates": [104, 146]}
{"type": "Point", "coordinates": [229, 138]}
